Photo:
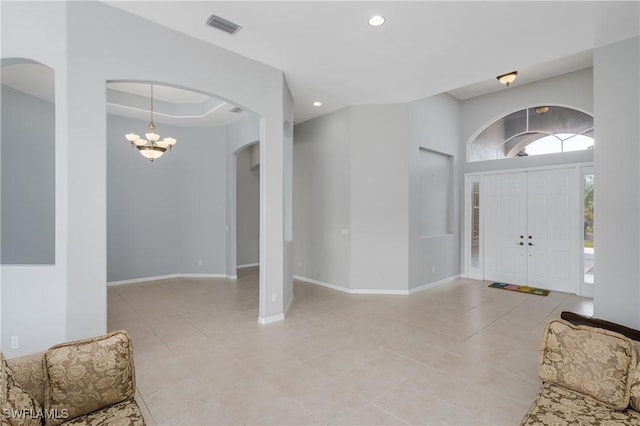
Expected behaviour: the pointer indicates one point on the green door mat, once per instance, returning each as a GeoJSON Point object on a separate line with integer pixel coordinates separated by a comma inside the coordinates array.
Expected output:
{"type": "Point", "coordinates": [521, 288]}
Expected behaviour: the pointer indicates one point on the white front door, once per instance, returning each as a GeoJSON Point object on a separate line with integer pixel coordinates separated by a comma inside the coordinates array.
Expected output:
{"type": "Point", "coordinates": [553, 237]}
{"type": "Point", "coordinates": [531, 232]}
{"type": "Point", "coordinates": [505, 226]}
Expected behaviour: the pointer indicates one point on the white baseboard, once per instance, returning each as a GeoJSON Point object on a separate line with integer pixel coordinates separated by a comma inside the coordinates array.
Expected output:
{"type": "Point", "coordinates": [378, 291]}
{"type": "Point", "coordinates": [322, 283]}
{"type": "Point", "coordinates": [232, 277]}
{"type": "Point", "coordinates": [164, 277]}
{"type": "Point", "coordinates": [248, 265]}
{"type": "Point", "coordinates": [271, 319]}
{"type": "Point", "coordinates": [433, 284]}
{"type": "Point", "coordinates": [372, 290]}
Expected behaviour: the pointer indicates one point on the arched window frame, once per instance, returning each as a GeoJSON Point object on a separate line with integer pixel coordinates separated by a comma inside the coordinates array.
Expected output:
{"type": "Point", "coordinates": [526, 110]}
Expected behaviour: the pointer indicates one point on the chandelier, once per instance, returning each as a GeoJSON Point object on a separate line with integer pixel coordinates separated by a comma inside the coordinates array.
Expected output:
{"type": "Point", "coordinates": [151, 147]}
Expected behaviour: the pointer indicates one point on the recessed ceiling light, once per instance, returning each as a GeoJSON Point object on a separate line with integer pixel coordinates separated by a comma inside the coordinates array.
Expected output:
{"type": "Point", "coordinates": [317, 104]}
{"type": "Point", "coordinates": [376, 21]}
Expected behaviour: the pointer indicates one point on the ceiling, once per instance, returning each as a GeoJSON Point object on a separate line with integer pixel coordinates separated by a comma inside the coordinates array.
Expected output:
{"type": "Point", "coordinates": [171, 105]}
{"type": "Point", "coordinates": [329, 53]}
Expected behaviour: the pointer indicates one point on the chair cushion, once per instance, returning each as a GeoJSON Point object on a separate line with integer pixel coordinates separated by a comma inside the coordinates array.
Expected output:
{"type": "Point", "coordinates": [596, 362]}
{"type": "Point", "coordinates": [635, 390]}
{"type": "Point", "coordinates": [556, 405]}
{"type": "Point", "coordinates": [124, 413]}
{"type": "Point", "coordinates": [27, 372]}
{"type": "Point", "coordinates": [19, 408]}
{"type": "Point", "coordinates": [88, 375]}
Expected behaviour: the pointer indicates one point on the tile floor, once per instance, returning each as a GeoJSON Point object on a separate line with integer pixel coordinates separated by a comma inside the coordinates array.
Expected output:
{"type": "Point", "coordinates": [456, 354]}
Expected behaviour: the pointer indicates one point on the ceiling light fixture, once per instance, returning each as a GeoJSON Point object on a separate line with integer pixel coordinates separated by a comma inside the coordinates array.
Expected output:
{"type": "Point", "coordinates": [317, 104]}
{"type": "Point", "coordinates": [376, 20]}
{"type": "Point", "coordinates": [151, 147]}
{"type": "Point", "coordinates": [542, 109]}
{"type": "Point", "coordinates": [507, 78]}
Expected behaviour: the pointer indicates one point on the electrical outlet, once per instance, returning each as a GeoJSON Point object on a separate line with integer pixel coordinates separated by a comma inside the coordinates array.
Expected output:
{"type": "Point", "coordinates": [274, 297]}
{"type": "Point", "coordinates": [15, 342]}
{"type": "Point", "coordinates": [433, 269]}
{"type": "Point", "coordinates": [199, 262]}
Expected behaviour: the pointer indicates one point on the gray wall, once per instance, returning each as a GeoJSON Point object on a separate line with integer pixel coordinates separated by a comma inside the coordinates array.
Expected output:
{"type": "Point", "coordinates": [166, 216]}
{"type": "Point", "coordinates": [28, 178]}
{"type": "Point", "coordinates": [434, 125]}
{"type": "Point", "coordinates": [351, 192]}
{"type": "Point", "coordinates": [617, 183]}
{"type": "Point", "coordinates": [379, 140]}
{"type": "Point", "coordinates": [321, 202]}
{"type": "Point", "coordinates": [247, 209]}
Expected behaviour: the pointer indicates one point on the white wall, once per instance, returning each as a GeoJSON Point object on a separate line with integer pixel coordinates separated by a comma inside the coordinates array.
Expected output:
{"type": "Point", "coordinates": [84, 57]}
{"type": "Point", "coordinates": [247, 208]}
{"type": "Point", "coordinates": [434, 124]}
{"type": "Point", "coordinates": [166, 216]}
{"type": "Point", "coordinates": [379, 147]}
{"type": "Point", "coordinates": [617, 183]}
{"type": "Point", "coordinates": [321, 202]}
{"type": "Point", "coordinates": [34, 298]}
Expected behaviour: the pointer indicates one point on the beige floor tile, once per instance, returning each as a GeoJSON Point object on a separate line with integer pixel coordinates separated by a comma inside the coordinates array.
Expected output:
{"type": "Point", "coordinates": [290, 415]}
{"type": "Point", "coordinates": [370, 415]}
{"type": "Point", "coordinates": [249, 403]}
{"type": "Point", "coordinates": [329, 401]}
{"type": "Point", "coordinates": [455, 354]}
{"type": "Point", "coordinates": [179, 398]}
{"type": "Point", "coordinates": [209, 414]}
{"type": "Point", "coordinates": [413, 405]}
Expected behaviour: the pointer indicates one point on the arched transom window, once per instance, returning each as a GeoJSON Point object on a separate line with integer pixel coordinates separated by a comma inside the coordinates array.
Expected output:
{"type": "Point", "coordinates": [534, 131]}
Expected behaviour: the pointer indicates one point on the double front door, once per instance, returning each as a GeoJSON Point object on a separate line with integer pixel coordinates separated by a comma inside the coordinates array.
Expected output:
{"type": "Point", "coordinates": [531, 229]}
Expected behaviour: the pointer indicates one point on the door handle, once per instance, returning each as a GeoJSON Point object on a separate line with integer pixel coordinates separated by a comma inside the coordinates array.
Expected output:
{"type": "Point", "coordinates": [520, 243]}
{"type": "Point", "coordinates": [531, 244]}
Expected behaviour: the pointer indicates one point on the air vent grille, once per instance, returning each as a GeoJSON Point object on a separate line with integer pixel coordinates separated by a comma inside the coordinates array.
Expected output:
{"type": "Point", "coordinates": [216, 21]}
{"type": "Point", "coordinates": [237, 110]}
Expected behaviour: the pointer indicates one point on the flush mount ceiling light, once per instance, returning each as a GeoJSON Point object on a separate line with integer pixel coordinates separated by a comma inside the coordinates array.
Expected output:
{"type": "Point", "coordinates": [376, 21]}
{"type": "Point", "coordinates": [507, 78]}
{"type": "Point", "coordinates": [151, 147]}
{"type": "Point", "coordinates": [317, 104]}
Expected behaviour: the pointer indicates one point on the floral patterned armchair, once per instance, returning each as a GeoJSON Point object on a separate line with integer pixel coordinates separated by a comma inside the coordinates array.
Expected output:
{"type": "Point", "coordinates": [86, 382]}
{"type": "Point", "coordinates": [590, 374]}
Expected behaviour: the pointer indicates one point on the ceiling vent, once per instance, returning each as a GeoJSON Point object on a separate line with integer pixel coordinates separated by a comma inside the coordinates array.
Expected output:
{"type": "Point", "coordinates": [216, 21]}
{"type": "Point", "coordinates": [236, 110]}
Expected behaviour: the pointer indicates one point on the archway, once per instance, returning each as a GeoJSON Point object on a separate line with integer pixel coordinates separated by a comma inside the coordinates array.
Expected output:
{"type": "Point", "coordinates": [168, 218]}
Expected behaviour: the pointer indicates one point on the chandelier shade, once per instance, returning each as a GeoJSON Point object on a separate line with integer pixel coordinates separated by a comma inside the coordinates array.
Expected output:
{"type": "Point", "coordinates": [151, 147]}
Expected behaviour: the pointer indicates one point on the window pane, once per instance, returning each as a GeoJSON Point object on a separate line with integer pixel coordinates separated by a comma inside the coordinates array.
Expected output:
{"type": "Point", "coordinates": [546, 145]}
{"type": "Point", "coordinates": [525, 132]}
{"type": "Point", "coordinates": [578, 143]}
{"type": "Point", "coordinates": [475, 225]}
